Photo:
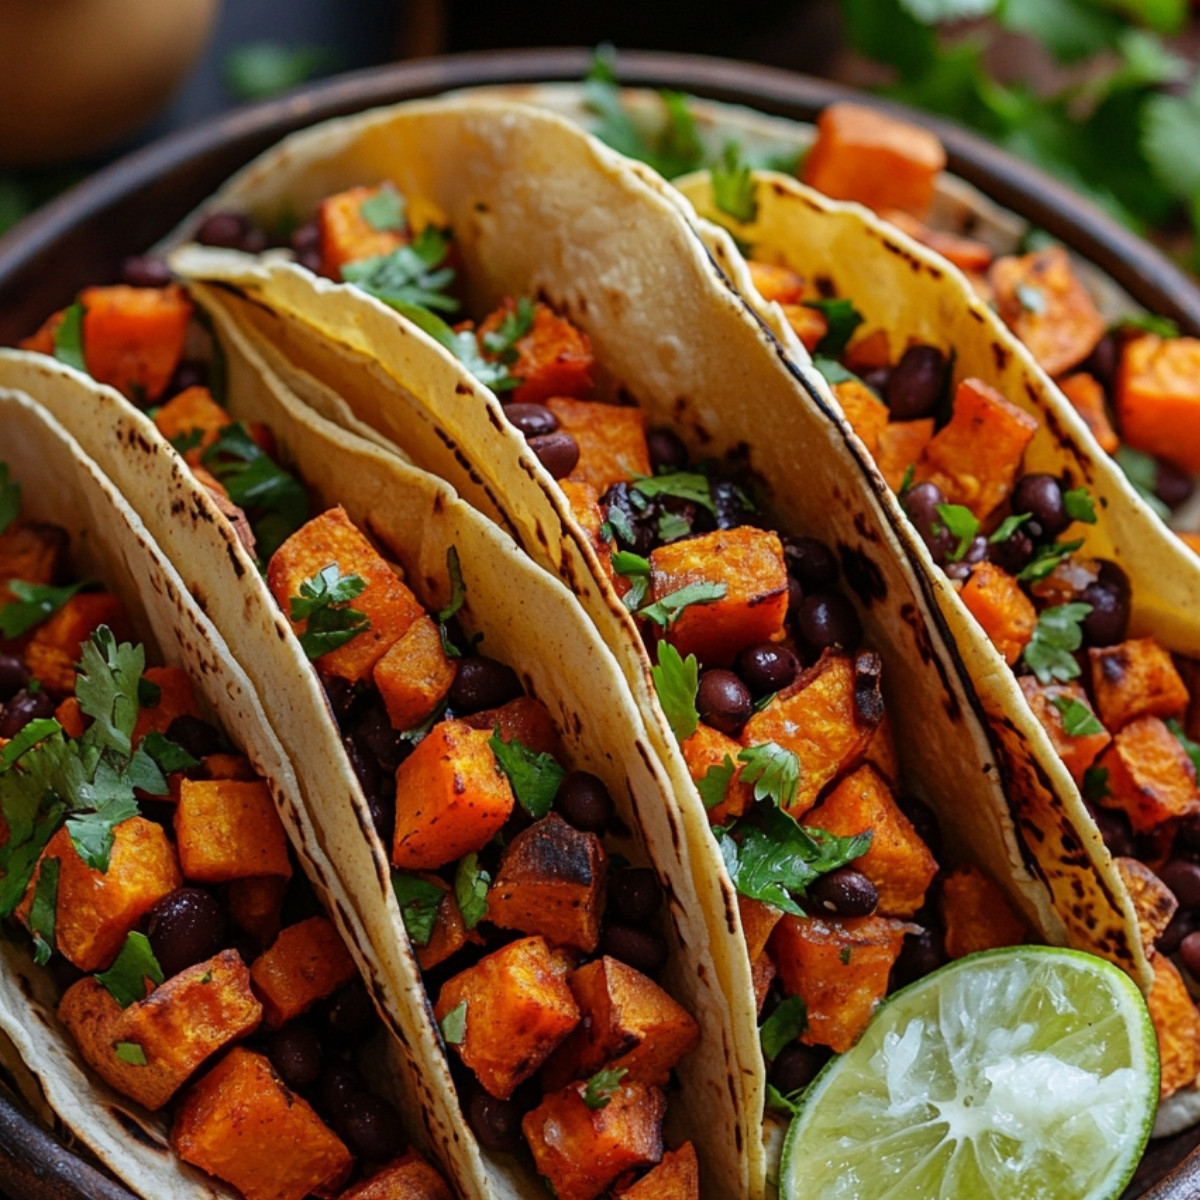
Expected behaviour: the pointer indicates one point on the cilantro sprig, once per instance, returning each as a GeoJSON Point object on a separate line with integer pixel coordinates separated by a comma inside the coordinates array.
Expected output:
{"type": "Point", "coordinates": [412, 274]}
{"type": "Point", "coordinates": [471, 883]}
{"type": "Point", "coordinates": [713, 785]}
{"type": "Point", "coordinates": [962, 524]}
{"type": "Point", "coordinates": [1050, 653]}
{"type": "Point", "coordinates": [842, 319]}
{"type": "Point", "coordinates": [683, 485]}
{"type": "Point", "coordinates": [783, 1026]}
{"type": "Point", "coordinates": [385, 210]}
{"type": "Point", "coordinates": [677, 680]}
{"type": "Point", "coordinates": [126, 979]}
{"type": "Point", "coordinates": [454, 1025]}
{"type": "Point", "coordinates": [68, 338]}
{"type": "Point", "coordinates": [636, 569]}
{"type": "Point", "coordinates": [733, 187]}
{"type": "Point", "coordinates": [1046, 558]}
{"type": "Point", "coordinates": [463, 344]}
{"type": "Point", "coordinates": [534, 777]}
{"type": "Point", "coordinates": [34, 603]}
{"type": "Point", "coordinates": [323, 602]}
{"type": "Point", "coordinates": [1077, 719]}
{"type": "Point", "coordinates": [458, 596]}
{"type": "Point", "coordinates": [774, 771]}
{"type": "Point", "coordinates": [603, 1086]}
{"type": "Point", "coordinates": [666, 610]}
{"type": "Point", "coordinates": [419, 900]}
{"type": "Point", "coordinates": [44, 910]}
{"type": "Point", "coordinates": [501, 342]}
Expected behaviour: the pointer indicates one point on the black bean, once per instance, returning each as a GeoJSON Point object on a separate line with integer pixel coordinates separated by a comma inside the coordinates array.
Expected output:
{"type": "Point", "coordinates": [1183, 878]}
{"type": "Point", "coordinates": [24, 707]}
{"type": "Point", "coordinates": [1172, 485]}
{"type": "Point", "coordinates": [730, 502]}
{"type": "Point", "coordinates": [634, 895]}
{"type": "Point", "coordinates": [1187, 833]}
{"type": "Point", "coordinates": [828, 619]}
{"type": "Point", "coordinates": [255, 240]}
{"type": "Point", "coordinates": [921, 953]}
{"type": "Point", "coordinates": [1189, 951]}
{"type": "Point", "coordinates": [225, 229]}
{"type": "Point", "coordinates": [845, 893]}
{"type": "Point", "coordinates": [642, 949]}
{"type": "Point", "coordinates": [340, 1082]}
{"type": "Point", "coordinates": [811, 562]}
{"type": "Point", "coordinates": [14, 675]}
{"type": "Point", "coordinates": [310, 260]}
{"type": "Point", "coordinates": [349, 1012]}
{"type": "Point", "coordinates": [637, 516]}
{"type": "Point", "coordinates": [723, 700]}
{"type": "Point", "coordinates": [921, 504]}
{"type": "Point", "coordinates": [382, 807]}
{"type": "Point", "coordinates": [557, 452]}
{"type": "Point", "coordinates": [1182, 923]}
{"type": "Point", "coordinates": [796, 1066]}
{"type": "Point", "coordinates": [766, 667]}
{"type": "Point", "coordinates": [305, 237]}
{"type": "Point", "coordinates": [1108, 621]}
{"type": "Point", "coordinates": [1041, 495]}
{"type": "Point", "coordinates": [958, 570]}
{"type": "Point", "coordinates": [1012, 554]}
{"type": "Point", "coordinates": [923, 820]}
{"type": "Point", "coordinates": [365, 766]}
{"type": "Point", "coordinates": [375, 735]}
{"type": "Point", "coordinates": [667, 450]}
{"type": "Point", "coordinates": [483, 683]}
{"type": "Point", "coordinates": [533, 420]}
{"type": "Point", "coordinates": [370, 1127]}
{"type": "Point", "coordinates": [295, 1053]}
{"type": "Point", "coordinates": [188, 374]}
{"type": "Point", "coordinates": [196, 736]}
{"type": "Point", "coordinates": [185, 927]}
{"type": "Point", "coordinates": [795, 597]}
{"type": "Point", "coordinates": [1116, 831]}
{"type": "Point", "coordinates": [495, 1123]}
{"type": "Point", "coordinates": [582, 800]}
{"type": "Point", "coordinates": [877, 379]}
{"type": "Point", "coordinates": [145, 270]}
{"type": "Point", "coordinates": [1103, 360]}
{"type": "Point", "coordinates": [915, 384]}
{"type": "Point", "coordinates": [342, 696]}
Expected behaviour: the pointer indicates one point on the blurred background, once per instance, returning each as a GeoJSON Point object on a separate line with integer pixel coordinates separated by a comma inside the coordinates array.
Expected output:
{"type": "Point", "coordinates": [1103, 93]}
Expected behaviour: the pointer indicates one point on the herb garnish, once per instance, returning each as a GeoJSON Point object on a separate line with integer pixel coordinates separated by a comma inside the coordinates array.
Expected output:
{"type": "Point", "coordinates": [471, 889]}
{"type": "Point", "coordinates": [1046, 558]}
{"type": "Point", "coordinates": [501, 342]}
{"type": "Point", "coordinates": [1008, 527]}
{"type": "Point", "coordinates": [783, 1026]}
{"type": "Point", "coordinates": [419, 900]}
{"type": "Point", "coordinates": [603, 1086]}
{"type": "Point", "coordinates": [322, 602]}
{"type": "Point", "coordinates": [44, 910]}
{"type": "Point", "coordinates": [842, 319]}
{"type": "Point", "coordinates": [683, 485]}
{"type": "Point", "coordinates": [962, 524]}
{"type": "Point", "coordinates": [1095, 784]}
{"type": "Point", "coordinates": [676, 680]}
{"type": "Point", "coordinates": [10, 498]}
{"type": "Point", "coordinates": [1140, 470]}
{"type": "Point", "coordinates": [384, 211]}
{"type": "Point", "coordinates": [126, 978]}
{"type": "Point", "coordinates": [131, 1053]}
{"type": "Point", "coordinates": [713, 785]}
{"type": "Point", "coordinates": [774, 771]}
{"type": "Point", "coordinates": [68, 338]}
{"type": "Point", "coordinates": [1192, 749]}
{"type": "Point", "coordinates": [458, 594]}
{"type": "Point", "coordinates": [1078, 505]}
{"type": "Point", "coordinates": [732, 186]}
{"type": "Point", "coordinates": [1077, 719]}
{"type": "Point", "coordinates": [667, 609]}
{"type": "Point", "coordinates": [410, 275]}
{"type": "Point", "coordinates": [34, 603]}
{"type": "Point", "coordinates": [454, 1024]}
{"type": "Point", "coordinates": [1056, 636]}
{"type": "Point", "coordinates": [534, 777]}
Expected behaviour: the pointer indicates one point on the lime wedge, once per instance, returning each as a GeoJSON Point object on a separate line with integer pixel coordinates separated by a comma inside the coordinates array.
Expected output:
{"type": "Point", "coordinates": [1021, 1074]}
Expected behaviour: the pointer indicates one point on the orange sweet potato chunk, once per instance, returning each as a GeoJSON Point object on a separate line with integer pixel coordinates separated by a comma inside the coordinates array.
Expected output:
{"type": "Point", "coordinates": [347, 236]}
{"type": "Point", "coordinates": [256, 906]}
{"type": "Point", "coordinates": [839, 967]}
{"type": "Point", "coordinates": [386, 602]}
{"type": "Point", "coordinates": [69, 715]}
{"type": "Point", "coordinates": [449, 933]}
{"type": "Point", "coordinates": [708, 748]}
{"type": "Point", "coordinates": [898, 863]}
{"type": "Point", "coordinates": [774, 281]}
{"type": "Point", "coordinates": [881, 751]}
{"type": "Point", "coordinates": [677, 1177]}
{"type": "Point", "coordinates": [1087, 399]}
{"type": "Point", "coordinates": [1177, 1025]}
{"type": "Point", "coordinates": [901, 444]}
{"type": "Point", "coordinates": [975, 458]}
{"type": "Point", "coordinates": [867, 414]}
{"type": "Point", "coordinates": [134, 338]}
{"type": "Point", "coordinates": [526, 719]}
{"type": "Point", "coordinates": [227, 829]}
{"type": "Point", "coordinates": [33, 551]}
{"type": "Point", "coordinates": [176, 699]}
{"type": "Point", "coordinates": [1150, 775]}
{"type": "Point", "coordinates": [451, 798]}
{"type": "Point", "coordinates": [192, 411]}
{"type": "Point", "coordinates": [762, 974]}
{"type": "Point", "coordinates": [408, 1178]}
{"type": "Point", "coordinates": [826, 718]}
{"type": "Point", "coordinates": [551, 882]}
{"type": "Point", "coordinates": [810, 325]}
{"type": "Point", "coordinates": [758, 919]}
{"type": "Point", "coordinates": [56, 645]}
{"type": "Point", "coordinates": [1135, 679]}
{"type": "Point", "coordinates": [553, 359]}
{"type": "Point", "coordinates": [749, 564]}
{"type": "Point", "coordinates": [976, 914]}
{"type": "Point", "coordinates": [1158, 397]}
{"type": "Point", "coordinates": [307, 962]}
{"type": "Point", "coordinates": [1154, 902]}
{"type": "Point", "coordinates": [862, 154]}
{"type": "Point", "coordinates": [1077, 752]}
{"type": "Point", "coordinates": [868, 351]}
{"type": "Point", "coordinates": [611, 440]}
{"type": "Point", "coordinates": [585, 508]}
{"type": "Point", "coordinates": [581, 1151]}
{"type": "Point", "coordinates": [414, 676]}
{"type": "Point", "coordinates": [1004, 612]}
{"type": "Point", "coordinates": [519, 1007]}
{"type": "Point", "coordinates": [240, 1123]}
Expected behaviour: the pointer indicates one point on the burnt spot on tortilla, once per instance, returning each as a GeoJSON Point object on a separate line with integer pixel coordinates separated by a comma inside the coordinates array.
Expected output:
{"type": "Point", "coordinates": [235, 559]}
{"type": "Point", "coordinates": [576, 724]}
{"type": "Point", "coordinates": [732, 917]}
{"type": "Point", "coordinates": [863, 574]}
{"type": "Point", "coordinates": [977, 314]}
{"type": "Point", "coordinates": [826, 287]}
{"type": "Point", "coordinates": [498, 422]}
{"type": "Point", "coordinates": [177, 507]}
{"type": "Point", "coordinates": [439, 503]}
{"type": "Point", "coordinates": [137, 1130]}
{"type": "Point", "coordinates": [200, 598]}
{"type": "Point", "coordinates": [1000, 355]}
{"type": "Point", "coordinates": [913, 619]}
{"type": "Point", "coordinates": [865, 528]}
{"type": "Point", "coordinates": [481, 207]}
{"type": "Point", "coordinates": [463, 389]}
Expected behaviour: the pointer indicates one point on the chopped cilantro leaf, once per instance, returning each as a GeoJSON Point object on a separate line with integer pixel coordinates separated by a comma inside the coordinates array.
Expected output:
{"type": "Point", "coordinates": [10, 498]}
{"type": "Point", "coordinates": [36, 731]}
{"type": "Point", "coordinates": [1050, 652]}
{"type": "Point", "coordinates": [673, 526]}
{"type": "Point", "coordinates": [626, 563]}
{"type": "Point", "coordinates": [34, 603]}
{"type": "Point", "coordinates": [384, 211]}
{"type": "Point", "coordinates": [255, 70]}
{"type": "Point", "coordinates": [733, 186]}
{"type": "Point", "coordinates": [131, 1053]}
{"type": "Point", "coordinates": [107, 689]}
{"type": "Point", "coordinates": [1164, 327]}
{"type": "Point", "coordinates": [833, 370]}
{"type": "Point", "coordinates": [470, 890]}
{"type": "Point", "coordinates": [1140, 469]}
{"type": "Point", "coordinates": [1031, 299]}
{"type": "Point", "coordinates": [411, 274]}
{"type": "Point", "coordinates": [906, 484]}
{"type": "Point", "coordinates": [774, 771]}
{"type": "Point", "coordinates": [43, 911]}
{"type": "Point", "coordinates": [92, 832]}
{"type": "Point", "coordinates": [1045, 559]}
{"type": "Point", "coordinates": [68, 338]}
{"type": "Point", "coordinates": [962, 524]}
{"type": "Point", "coordinates": [463, 344]}
{"type": "Point", "coordinates": [149, 693]}
{"type": "Point", "coordinates": [602, 1086]}
{"type": "Point", "coordinates": [1079, 506]}
{"type": "Point", "coordinates": [458, 594]}
{"type": "Point", "coordinates": [190, 439]}
{"type": "Point", "coordinates": [534, 777]}
{"type": "Point", "coordinates": [1008, 527]}
{"type": "Point", "coordinates": [666, 611]}
{"type": "Point", "coordinates": [323, 604]}
{"type": "Point", "coordinates": [169, 755]}
{"type": "Point", "coordinates": [419, 900]}
{"type": "Point", "coordinates": [622, 525]}
{"type": "Point", "coordinates": [1192, 749]}
{"type": "Point", "coordinates": [454, 1024]}
{"type": "Point", "coordinates": [783, 1026]}
{"type": "Point", "coordinates": [126, 978]}
{"type": "Point", "coordinates": [788, 1105]}
{"type": "Point", "coordinates": [1077, 719]}
{"type": "Point", "coordinates": [501, 342]}
{"type": "Point", "coordinates": [714, 783]}
{"type": "Point", "coordinates": [677, 679]}
{"type": "Point", "coordinates": [842, 319]}
{"type": "Point", "coordinates": [683, 485]}
{"type": "Point", "coordinates": [1095, 784]}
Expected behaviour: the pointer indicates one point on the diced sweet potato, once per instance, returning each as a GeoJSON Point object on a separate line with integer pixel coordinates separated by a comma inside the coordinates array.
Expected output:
{"type": "Point", "coordinates": [1004, 612]}
{"type": "Point", "coordinates": [1154, 902]}
{"type": "Point", "coordinates": [881, 752]}
{"type": "Point", "coordinates": [228, 766]}
{"type": "Point", "coordinates": [525, 719]}
{"type": "Point", "coordinates": [774, 281]}
{"type": "Point", "coordinates": [1158, 397]}
{"type": "Point", "coordinates": [1150, 775]}
{"type": "Point", "coordinates": [408, 1178]}
{"type": "Point", "coordinates": [965, 253]}
{"type": "Point", "coordinates": [758, 919]}
{"type": "Point", "coordinates": [1190, 540]}
{"type": "Point", "coordinates": [69, 715]}
{"type": "Point", "coordinates": [56, 645]}
{"type": "Point", "coordinates": [868, 351]}
{"type": "Point", "coordinates": [810, 325]}
{"type": "Point", "coordinates": [1177, 1025]}
{"type": "Point", "coordinates": [33, 551]}
{"type": "Point", "coordinates": [551, 881]}
{"type": "Point", "coordinates": [256, 906]}
{"type": "Point", "coordinates": [307, 962]}
{"type": "Point", "coordinates": [585, 508]}
{"type": "Point", "coordinates": [227, 829]}
{"type": "Point", "coordinates": [42, 340]}
{"type": "Point", "coordinates": [976, 457]}
{"type": "Point", "coordinates": [677, 1177]}
{"type": "Point", "coordinates": [898, 863]}
{"type": "Point", "coordinates": [1135, 679]}
{"type": "Point", "coordinates": [386, 602]}
{"type": "Point", "coordinates": [749, 564]}
{"type": "Point", "coordinates": [1087, 399]}
{"type": "Point", "coordinates": [762, 974]}
{"type": "Point", "coordinates": [629, 1023]}
{"type": "Point", "coordinates": [611, 440]}
{"type": "Point", "coordinates": [1067, 582]}
{"type": "Point", "coordinates": [826, 718]}
{"type": "Point", "coordinates": [134, 337]}
{"type": "Point", "coordinates": [708, 748]}
{"type": "Point", "coordinates": [865, 155]}
{"type": "Point", "coordinates": [582, 1150]}
{"type": "Point", "coordinates": [449, 933]}
{"type": "Point", "coordinates": [553, 359]}
{"type": "Point", "coordinates": [451, 797]}
{"type": "Point", "coordinates": [901, 444]}
{"type": "Point", "coordinates": [867, 414]}
{"type": "Point", "coordinates": [839, 967]}
{"type": "Point", "coordinates": [1046, 306]}
{"type": "Point", "coordinates": [519, 1008]}
{"type": "Point", "coordinates": [976, 914]}
{"type": "Point", "coordinates": [1077, 751]}
{"type": "Point", "coordinates": [95, 911]}
{"type": "Point", "coordinates": [347, 236]}
{"type": "Point", "coordinates": [176, 699]}
{"type": "Point", "coordinates": [192, 411]}
{"type": "Point", "coordinates": [240, 1123]}
{"type": "Point", "coordinates": [414, 676]}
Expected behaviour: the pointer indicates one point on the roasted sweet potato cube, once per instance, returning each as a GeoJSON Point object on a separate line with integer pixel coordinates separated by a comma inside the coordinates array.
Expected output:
{"type": "Point", "coordinates": [553, 359]}
{"type": "Point", "coordinates": [56, 645]}
{"type": "Point", "coordinates": [582, 1150]}
{"type": "Point", "coordinates": [227, 829]}
{"type": "Point", "coordinates": [386, 602]}
{"type": "Point", "coordinates": [826, 718]}
{"type": "Point", "coordinates": [526, 719]}
{"type": "Point", "coordinates": [1067, 582]}
{"type": "Point", "coordinates": [708, 748]}
{"type": "Point", "coordinates": [519, 1008]}
{"type": "Point", "coordinates": [1135, 679]}
{"type": "Point", "coordinates": [1158, 397]}
{"type": "Point", "coordinates": [865, 155]}
{"type": "Point", "coordinates": [1150, 775]}
{"type": "Point", "coordinates": [192, 412]}
{"type": "Point", "coordinates": [1004, 612]}
{"type": "Point", "coordinates": [898, 863]}
{"type": "Point", "coordinates": [228, 766]}
{"type": "Point", "coordinates": [134, 338]}
{"type": "Point", "coordinates": [451, 797]}
{"type": "Point", "coordinates": [762, 974]}
{"type": "Point", "coordinates": [1177, 1025]}
{"type": "Point", "coordinates": [1087, 398]}
{"type": "Point", "coordinates": [810, 325]}
{"type": "Point", "coordinates": [408, 1178]}
{"type": "Point", "coordinates": [1046, 306]}
{"type": "Point", "coordinates": [95, 911]}
{"type": "Point", "coordinates": [307, 962]}
{"type": "Point", "coordinates": [585, 508]}
{"type": "Point", "coordinates": [677, 1177]}
{"type": "Point", "coordinates": [69, 715]}
{"type": "Point", "coordinates": [976, 913]}
{"type": "Point", "coordinates": [33, 551]}
{"type": "Point", "coordinates": [1077, 751]}
{"type": "Point", "coordinates": [414, 676]}
{"type": "Point", "coordinates": [176, 699]}
{"type": "Point", "coordinates": [449, 932]}
{"type": "Point", "coordinates": [758, 919]}
{"type": "Point", "coordinates": [1154, 902]}
{"type": "Point", "coordinates": [868, 351]}
{"type": "Point", "coordinates": [867, 414]}
{"type": "Point", "coordinates": [774, 281]}
{"type": "Point", "coordinates": [551, 881]}
{"type": "Point", "coordinates": [975, 459]}
{"type": "Point", "coordinates": [256, 906]}
{"type": "Point", "coordinates": [901, 444]}
{"type": "Point", "coordinates": [881, 752]}
{"type": "Point", "coordinates": [839, 967]}
{"type": "Point", "coordinates": [749, 564]}
{"type": "Point", "coordinates": [611, 440]}
{"type": "Point", "coordinates": [347, 236]}
{"type": "Point", "coordinates": [240, 1123]}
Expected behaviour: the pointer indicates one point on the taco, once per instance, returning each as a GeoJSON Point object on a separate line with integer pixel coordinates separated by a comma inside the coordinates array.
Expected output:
{"type": "Point", "coordinates": [163, 963]}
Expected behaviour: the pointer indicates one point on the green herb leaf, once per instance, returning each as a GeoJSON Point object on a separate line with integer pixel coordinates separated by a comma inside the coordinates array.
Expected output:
{"type": "Point", "coordinates": [626, 563]}
{"type": "Point", "coordinates": [842, 318]}
{"type": "Point", "coordinates": [1140, 469]}
{"type": "Point", "coordinates": [1162, 327]}
{"type": "Point", "coordinates": [676, 680]}
{"type": "Point", "coordinates": [259, 69]}
{"type": "Point", "coordinates": [1078, 505]}
{"type": "Point", "coordinates": [463, 345]}
{"type": "Point", "coordinates": [471, 890]}
{"type": "Point", "coordinates": [1077, 719]}
{"type": "Point", "coordinates": [501, 342]}
{"type": "Point", "coordinates": [1046, 558]}
{"type": "Point", "coordinates": [733, 187]}
{"type": "Point", "coordinates": [602, 1086]}
{"type": "Point", "coordinates": [666, 611]}
{"type": "Point", "coordinates": [131, 1053]}
{"type": "Point", "coordinates": [683, 485]}
{"type": "Point", "coordinates": [673, 526]}
{"type": "Point", "coordinates": [534, 777]}
{"type": "Point", "coordinates": [458, 594]}
{"type": "Point", "coordinates": [107, 689]}
{"type": "Point", "coordinates": [1008, 527]}
{"type": "Point", "coordinates": [149, 693]}
{"type": "Point", "coordinates": [783, 1026]}
{"type": "Point", "coordinates": [774, 771]}
{"type": "Point", "coordinates": [92, 832]}
{"type": "Point", "coordinates": [833, 370]}
{"type": "Point", "coordinates": [411, 274]}
{"type": "Point", "coordinates": [126, 978]}
{"type": "Point", "coordinates": [714, 784]}
{"type": "Point", "coordinates": [1191, 748]}
{"type": "Point", "coordinates": [168, 755]}
{"type": "Point", "coordinates": [323, 604]}
{"type": "Point", "coordinates": [384, 211]}
{"type": "Point", "coordinates": [1032, 299]}
{"type": "Point", "coordinates": [68, 338]}
{"type": "Point", "coordinates": [1170, 135]}
{"type": "Point", "coordinates": [1095, 784]}
{"type": "Point", "coordinates": [36, 731]}
{"type": "Point", "coordinates": [621, 523]}
{"type": "Point", "coordinates": [962, 524]}
{"type": "Point", "coordinates": [419, 900]}
{"type": "Point", "coordinates": [1050, 652]}
{"type": "Point", "coordinates": [788, 1105]}
{"type": "Point", "coordinates": [34, 603]}
{"type": "Point", "coordinates": [454, 1025]}
{"type": "Point", "coordinates": [10, 498]}
{"type": "Point", "coordinates": [189, 440]}
{"type": "Point", "coordinates": [906, 484]}
{"type": "Point", "coordinates": [44, 910]}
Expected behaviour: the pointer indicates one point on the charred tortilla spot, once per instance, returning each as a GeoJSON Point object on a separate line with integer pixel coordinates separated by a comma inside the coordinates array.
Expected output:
{"type": "Point", "coordinates": [865, 528]}
{"type": "Point", "coordinates": [463, 389]}
{"type": "Point", "coordinates": [913, 619]}
{"type": "Point", "coordinates": [977, 315]}
{"type": "Point", "coordinates": [234, 558]}
{"type": "Point", "coordinates": [439, 502]}
{"type": "Point", "coordinates": [863, 574]}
